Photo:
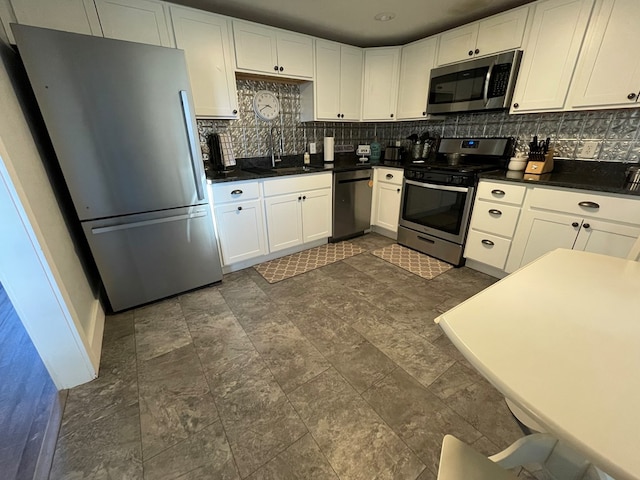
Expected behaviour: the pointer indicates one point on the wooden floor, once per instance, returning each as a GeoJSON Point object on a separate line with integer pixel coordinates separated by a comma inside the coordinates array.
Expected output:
{"type": "Point", "coordinates": [28, 398]}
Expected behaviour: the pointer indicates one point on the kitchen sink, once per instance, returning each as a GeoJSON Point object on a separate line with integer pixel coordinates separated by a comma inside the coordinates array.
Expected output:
{"type": "Point", "coordinates": [296, 169]}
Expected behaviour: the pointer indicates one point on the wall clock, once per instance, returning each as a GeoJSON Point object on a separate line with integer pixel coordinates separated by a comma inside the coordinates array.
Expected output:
{"type": "Point", "coordinates": [266, 105]}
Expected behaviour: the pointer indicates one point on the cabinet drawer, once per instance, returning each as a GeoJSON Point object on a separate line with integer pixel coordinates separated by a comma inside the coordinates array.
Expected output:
{"type": "Point", "coordinates": [495, 218]}
{"type": "Point", "coordinates": [297, 183]}
{"type": "Point", "coordinates": [234, 191]}
{"type": "Point", "coordinates": [501, 192]}
{"type": "Point", "coordinates": [487, 249]}
{"type": "Point", "coordinates": [389, 175]}
{"type": "Point", "coordinates": [587, 204]}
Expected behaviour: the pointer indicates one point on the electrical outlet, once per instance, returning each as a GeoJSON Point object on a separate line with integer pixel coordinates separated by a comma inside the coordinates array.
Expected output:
{"type": "Point", "coordinates": [312, 147]}
{"type": "Point", "coordinates": [588, 150]}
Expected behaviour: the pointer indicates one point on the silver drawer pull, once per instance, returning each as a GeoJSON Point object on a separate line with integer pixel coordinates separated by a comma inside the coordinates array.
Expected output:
{"type": "Point", "coordinates": [497, 192]}
{"type": "Point", "coordinates": [489, 243]}
{"type": "Point", "coordinates": [589, 204]}
{"type": "Point", "coordinates": [389, 176]}
{"type": "Point", "coordinates": [494, 211]}
{"type": "Point", "coordinates": [236, 192]}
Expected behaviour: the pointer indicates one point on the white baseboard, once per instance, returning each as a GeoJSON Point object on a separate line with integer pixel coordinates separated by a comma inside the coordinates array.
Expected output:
{"type": "Point", "coordinates": [488, 269]}
{"type": "Point", "coordinates": [234, 267]}
{"type": "Point", "coordinates": [384, 232]}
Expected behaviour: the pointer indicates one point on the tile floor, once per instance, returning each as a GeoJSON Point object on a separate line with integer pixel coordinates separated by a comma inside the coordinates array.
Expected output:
{"type": "Point", "coordinates": [339, 373]}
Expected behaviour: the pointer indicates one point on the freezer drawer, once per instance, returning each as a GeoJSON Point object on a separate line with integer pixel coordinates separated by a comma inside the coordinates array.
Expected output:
{"type": "Point", "coordinates": [149, 256]}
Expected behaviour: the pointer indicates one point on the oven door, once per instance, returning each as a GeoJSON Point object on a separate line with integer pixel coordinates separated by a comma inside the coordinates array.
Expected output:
{"type": "Point", "coordinates": [439, 210]}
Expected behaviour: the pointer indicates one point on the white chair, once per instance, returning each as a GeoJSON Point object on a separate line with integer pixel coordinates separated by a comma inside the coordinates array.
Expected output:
{"type": "Point", "coordinates": [458, 461]}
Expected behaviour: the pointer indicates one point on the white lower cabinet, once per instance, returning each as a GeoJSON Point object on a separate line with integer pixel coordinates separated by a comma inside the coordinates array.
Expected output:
{"type": "Point", "coordinates": [239, 220]}
{"type": "Point", "coordinates": [495, 215]}
{"type": "Point", "coordinates": [386, 199]}
{"type": "Point", "coordinates": [582, 220]}
{"type": "Point", "coordinates": [298, 210]}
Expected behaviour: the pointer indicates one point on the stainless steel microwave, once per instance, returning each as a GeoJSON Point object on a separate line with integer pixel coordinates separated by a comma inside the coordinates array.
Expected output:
{"type": "Point", "coordinates": [474, 85]}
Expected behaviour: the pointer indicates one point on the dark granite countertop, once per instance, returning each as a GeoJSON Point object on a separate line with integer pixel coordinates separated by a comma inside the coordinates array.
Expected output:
{"type": "Point", "coordinates": [609, 177]}
{"type": "Point", "coordinates": [257, 168]}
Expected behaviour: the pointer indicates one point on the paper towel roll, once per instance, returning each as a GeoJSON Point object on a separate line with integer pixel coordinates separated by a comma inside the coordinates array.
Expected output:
{"type": "Point", "coordinates": [328, 149]}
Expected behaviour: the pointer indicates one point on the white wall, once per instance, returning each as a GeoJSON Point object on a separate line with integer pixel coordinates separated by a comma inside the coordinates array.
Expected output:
{"type": "Point", "coordinates": [43, 275]}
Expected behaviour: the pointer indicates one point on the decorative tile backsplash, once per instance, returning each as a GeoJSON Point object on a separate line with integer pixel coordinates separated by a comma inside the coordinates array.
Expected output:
{"type": "Point", "coordinates": [617, 131]}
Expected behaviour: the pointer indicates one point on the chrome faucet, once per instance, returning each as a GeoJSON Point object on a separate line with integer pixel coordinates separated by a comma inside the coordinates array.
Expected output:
{"type": "Point", "coordinates": [275, 131]}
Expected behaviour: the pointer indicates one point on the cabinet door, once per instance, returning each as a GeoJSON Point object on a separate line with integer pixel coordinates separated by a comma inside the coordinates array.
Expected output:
{"type": "Point", "coordinates": [316, 215]}
{"type": "Point", "coordinates": [255, 48]}
{"type": "Point", "coordinates": [608, 72]}
{"type": "Point", "coordinates": [550, 54]}
{"type": "Point", "coordinates": [543, 232]}
{"type": "Point", "coordinates": [457, 44]}
{"type": "Point", "coordinates": [380, 83]}
{"type": "Point", "coordinates": [204, 37]}
{"type": "Point", "coordinates": [415, 67]}
{"type": "Point", "coordinates": [607, 238]}
{"type": "Point", "coordinates": [327, 82]}
{"type": "Point", "coordinates": [387, 206]}
{"type": "Point", "coordinates": [350, 83]}
{"type": "Point", "coordinates": [295, 55]}
{"type": "Point", "coordinates": [77, 16]}
{"type": "Point", "coordinates": [142, 21]}
{"type": "Point", "coordinates": [284, 221]}
{"type": "Point", "coordinates": [501, 32]}
{"type": "Point", "coordinates": [241, 231]}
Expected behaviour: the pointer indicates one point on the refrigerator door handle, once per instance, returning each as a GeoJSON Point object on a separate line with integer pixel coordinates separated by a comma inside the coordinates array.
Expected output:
{"type": "Point", "coordinates": [124, 226]}
{"type": "Point", "coordinates": [186, 112]}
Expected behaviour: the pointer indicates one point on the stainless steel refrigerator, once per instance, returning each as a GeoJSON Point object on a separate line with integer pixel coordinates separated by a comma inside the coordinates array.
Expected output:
{"type": "Point", "coordinates": [120, 118]}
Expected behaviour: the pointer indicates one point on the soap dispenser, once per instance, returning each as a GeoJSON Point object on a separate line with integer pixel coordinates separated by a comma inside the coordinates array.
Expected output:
{"type": "Point", "coordinates": [376, 151]}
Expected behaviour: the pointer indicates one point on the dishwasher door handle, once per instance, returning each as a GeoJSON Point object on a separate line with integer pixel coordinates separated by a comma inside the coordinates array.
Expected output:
{"type": "Point", "coordinates": [352, 180]}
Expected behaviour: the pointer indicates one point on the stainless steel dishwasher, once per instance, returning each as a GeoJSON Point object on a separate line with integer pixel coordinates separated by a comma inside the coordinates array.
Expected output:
{"type": "Point", "coordinates": [351, 203]}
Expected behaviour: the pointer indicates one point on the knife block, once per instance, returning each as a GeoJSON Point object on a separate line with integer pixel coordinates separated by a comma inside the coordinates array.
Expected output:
{"type": "Point", "coordinates": [539, 164]}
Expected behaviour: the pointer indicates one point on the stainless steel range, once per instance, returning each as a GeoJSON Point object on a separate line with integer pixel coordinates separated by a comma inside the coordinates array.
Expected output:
{"type": "Point", "coordinates": [437, 196]}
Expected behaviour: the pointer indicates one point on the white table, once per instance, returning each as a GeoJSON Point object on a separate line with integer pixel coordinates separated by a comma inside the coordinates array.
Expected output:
{"type": "Point", "coordinates": [560, 338]}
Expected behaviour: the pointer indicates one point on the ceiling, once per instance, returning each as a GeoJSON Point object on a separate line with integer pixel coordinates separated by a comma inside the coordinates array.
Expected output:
{"type": "Point", "coordinates": [352, 21]}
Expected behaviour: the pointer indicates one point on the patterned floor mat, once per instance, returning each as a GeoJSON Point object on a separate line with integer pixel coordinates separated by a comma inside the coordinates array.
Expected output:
{"type": "Point", "coordinates": [302, 262]}
{"type": "Point", "coordinates": [422, 265]}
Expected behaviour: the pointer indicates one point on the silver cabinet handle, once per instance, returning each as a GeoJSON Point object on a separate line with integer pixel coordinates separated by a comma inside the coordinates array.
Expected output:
{"type": "Point", "coordinates": [494, 211]}
{"type": "Point", "coordinates": [497, 192]}
{"type": "Point", "coordinates": [589, 204]}
{"type": "Point", "coordinates": [389, 176]}
{"type": "Point", "coordinates": [186, 112]}
{"type": "Point", "coordinates": [488, 242]}
{"type": "Point", "coordinates": [236, 192]}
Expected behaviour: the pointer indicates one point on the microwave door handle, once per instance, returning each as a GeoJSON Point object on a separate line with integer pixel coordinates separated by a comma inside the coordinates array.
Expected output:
{"type": "Point", "coordinates": [487, 81]}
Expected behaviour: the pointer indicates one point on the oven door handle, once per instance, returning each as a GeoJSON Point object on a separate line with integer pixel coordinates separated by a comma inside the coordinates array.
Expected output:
{"type": "Point", "coordinates": [487, 81]}
{"type": "Point", "coordinates": [437, 187]}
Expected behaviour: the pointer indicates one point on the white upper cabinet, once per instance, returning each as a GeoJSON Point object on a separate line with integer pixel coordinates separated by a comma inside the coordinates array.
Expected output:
{"type": "Point", "coordinates": [77, 16]}
{"type": "Point", "coordinates": [380, 87]}
{"type": "Point", "coordinates": [267, 50]}
{"type": "Point", "coordinates": [205, 39]}
{"type": "Point", "coordinates": [337, 85]}
{"type": "Point", "coordinates": [142, 21]}
{"type": "Point", "coordinates": [351, 60]}
{"type": "Point", "coordinates": [417, 60]}
{"type": "Point", "coordinates": [550, 54]}
{"type": "Point", "coordinates": [457, 44]}
{"type": "Point", "coordinates": [494, 34]}
{"type": "Point", "coordinates": [608, 71]}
